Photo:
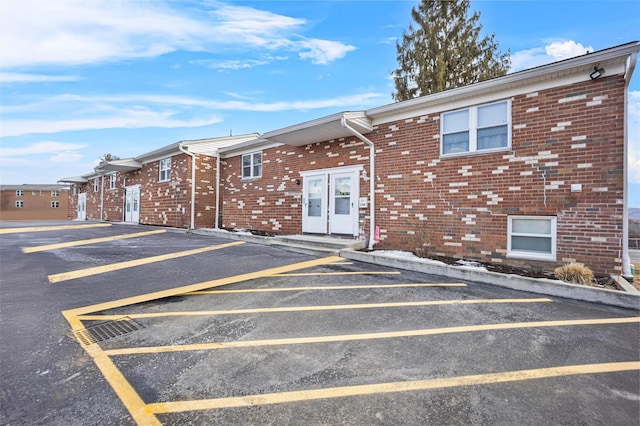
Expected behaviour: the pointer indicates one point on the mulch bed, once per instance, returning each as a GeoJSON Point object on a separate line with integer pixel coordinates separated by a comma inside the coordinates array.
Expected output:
{"type": "Point", "coordinates": [602, 281]}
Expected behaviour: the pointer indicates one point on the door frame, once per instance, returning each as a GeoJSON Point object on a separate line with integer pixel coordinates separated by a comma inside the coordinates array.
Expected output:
{"type": "Point", "coordinates": [81, 208]}
{"type": "Point", "coordinates": [130, 190]}
{"type": "Point", "coordinates": [329, 199]}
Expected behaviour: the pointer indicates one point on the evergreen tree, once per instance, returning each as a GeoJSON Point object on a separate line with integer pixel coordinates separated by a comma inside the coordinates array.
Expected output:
{"type": "Point", "coordinates": [442, 50]}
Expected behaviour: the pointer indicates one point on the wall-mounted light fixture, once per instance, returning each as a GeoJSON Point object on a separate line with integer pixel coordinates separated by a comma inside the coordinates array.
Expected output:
{"type": "Point", "coordinates": [597, 72]}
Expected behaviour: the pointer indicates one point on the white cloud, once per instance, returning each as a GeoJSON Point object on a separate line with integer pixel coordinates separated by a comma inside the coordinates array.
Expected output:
{"type": "Point", "coordinates": [324, 51]}
{"type": "Point", "coordinates": [73, 32]}
{"type": "Point", "coordinates": [141, 118]}
{"type": "Point", "coordinates": [10, 77]}
{"type": "Point", "coordinates": [158, 111]}
{"type": "Point", "coordinates": [66, 158]}
{"type": "Point", "coordinates": [556, 51]}
{"type": "Point", "coordinates": [38, 148]}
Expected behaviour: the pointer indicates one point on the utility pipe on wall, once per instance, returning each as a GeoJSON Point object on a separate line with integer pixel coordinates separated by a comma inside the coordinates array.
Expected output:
{"type": "Point", "coordinates": [372, 179]}
{"type": "Point", "coordinates": [626, 260]}
{"type": "Point", "coordinates": [193, 183]}
{"type": "Point", "coordinates": [217, 189]}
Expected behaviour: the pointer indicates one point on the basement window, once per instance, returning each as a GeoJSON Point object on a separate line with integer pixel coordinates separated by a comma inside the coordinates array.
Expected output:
{"type": "Point", "coordinates": [478, 129]}
{"type": "Point", "coordinates": [532, 237]}
{"type": "Point", "coordinates": [19, 204]}
{"type": "Point", "coordinates": [165, 170]}
{"type": "Point", "coordinates": [55, 204]}
{"type": "Point", "coordinates": [252, 165]}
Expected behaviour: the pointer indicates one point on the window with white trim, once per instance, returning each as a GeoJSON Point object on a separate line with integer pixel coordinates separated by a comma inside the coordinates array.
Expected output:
{"type": "Point", "coordinates": [55, 193]}
{"type": "Point", "coordinates": [19, 193]}
{"type": "Point", "coordinates": [19, 204]}
{"type": "Point", "coordinates": [532, 237]}
{"type": "Point", "coordinates": [165, 170]}
{"type": "Point", "coordinates": [112, 181]}
{"type": "Point", "coordinates": [55, 204]}
{"type": "Point", "coordinates": [96, 186]}
{"type": "Point", "coordinates": [252, 165]}
{"type": "Point", "coordinates": [480, 128]}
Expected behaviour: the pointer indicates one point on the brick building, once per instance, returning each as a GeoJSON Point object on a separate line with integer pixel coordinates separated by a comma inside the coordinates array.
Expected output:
{"type": "Point", "coordinates": [34, 202]}
{"type": "Point", "coordinates": [528, 169]}
{"type": "Point", "coordinates": [154, 188]}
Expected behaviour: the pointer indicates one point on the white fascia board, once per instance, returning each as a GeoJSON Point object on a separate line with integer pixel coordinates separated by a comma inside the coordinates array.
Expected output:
{"type": "Point", "coordinates": [211, 146]}
{"type": "Point", "coordinates": [543, 77]}
{"type": "Point", "coordinates": [236, 150]}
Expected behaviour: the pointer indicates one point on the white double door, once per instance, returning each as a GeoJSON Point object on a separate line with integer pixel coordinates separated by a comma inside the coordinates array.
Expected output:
{"type": "Point", "coordinates": [82, 206]}
{"type": "Point", "coordinates": [132, 204]}
{"type": "Point", "coordinates": [330, 202]}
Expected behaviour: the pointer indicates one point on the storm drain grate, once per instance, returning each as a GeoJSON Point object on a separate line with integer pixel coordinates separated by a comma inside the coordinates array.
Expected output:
{"type": "Point", "coordinates": [106, 330]}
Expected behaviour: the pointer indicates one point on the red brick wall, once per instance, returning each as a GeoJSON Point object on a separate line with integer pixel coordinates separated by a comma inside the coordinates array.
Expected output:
{"type": "Point", "coordinates": [272, 203]}
{"type": "Point", "coordinates": [460, 205]}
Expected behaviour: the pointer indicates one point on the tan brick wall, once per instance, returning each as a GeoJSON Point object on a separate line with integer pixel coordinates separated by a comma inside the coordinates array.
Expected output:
{"type": "Point", "coordinates": [37, 205]}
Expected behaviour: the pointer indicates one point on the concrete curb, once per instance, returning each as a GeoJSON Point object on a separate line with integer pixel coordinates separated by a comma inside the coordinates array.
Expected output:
{"type": "Point", "coordinates": [534, 285]}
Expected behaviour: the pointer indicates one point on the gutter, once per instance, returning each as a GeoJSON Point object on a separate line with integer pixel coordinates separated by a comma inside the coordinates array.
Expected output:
{"type": "Point", "coordinates": [193, 182]}
{"type": "Point", "coordinates": [372, 179]}
{"type": "Point", "coordinates": [626, 260]}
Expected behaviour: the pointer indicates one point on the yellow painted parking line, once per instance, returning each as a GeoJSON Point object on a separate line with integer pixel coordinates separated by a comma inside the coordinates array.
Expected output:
{"type": "Point", "coordinates": [90, 241]}
{"type": "Point", "coordinates": [332, 287]}
{"type": "Point", "coordinates": [314, 308]}
{"type": "Point", "coordinates": [80, 273]}
{"type": "Point", "coordinates": [127, 394]}
{"type": "Point", "coordinates": [50, 228]}
{"type": "Point", "coordinates": [366, 336]}
{"type": "Point", "coordinates": [195, 287]}
{"type": "Point", "coordinates": [313, 274]}
{"type": "Point", "coordinates": [391, 387]}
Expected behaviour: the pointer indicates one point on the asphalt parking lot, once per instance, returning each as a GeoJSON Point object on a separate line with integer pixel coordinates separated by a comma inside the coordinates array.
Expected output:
{"type": "Point", "coordinates": [165, 327]}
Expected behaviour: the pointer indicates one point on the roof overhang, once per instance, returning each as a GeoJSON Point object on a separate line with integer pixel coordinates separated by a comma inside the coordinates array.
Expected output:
{"type": "Point", "coordinates": [125, 165]}
{"type": "Point", "coordinates": [322, 129]}
{"type": "Point", "coordinates": [580, 67]}
{"type": "Point", "coordinates": [74, 179]}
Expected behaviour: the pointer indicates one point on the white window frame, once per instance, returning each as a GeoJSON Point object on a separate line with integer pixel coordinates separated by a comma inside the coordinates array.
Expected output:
{"type": "Point", "coordinates": [472, 128]}
{"type": "Point", "coordinates": [532, 255]}
{"type": "Point", "coordinates": [19, 193]}
{"type": "Point", "coordinates": [96, 183]}
{"type": "Point", "coordinates": [164, 170]}
{"type": "Point", "coordinates": [55, 204]}
{"type": "Point", "coordinates": [252, 174]}
{"type": "Point", "coordinates": [19, 204]}
{"type": "Point", "coordinates": [112, 181]}
{"type": "Point", "coordinates": [55, 193]}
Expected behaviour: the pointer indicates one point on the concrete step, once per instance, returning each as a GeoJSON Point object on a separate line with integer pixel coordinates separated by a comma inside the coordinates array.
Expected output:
{"type": "Point", "coordinates": [316, 245]}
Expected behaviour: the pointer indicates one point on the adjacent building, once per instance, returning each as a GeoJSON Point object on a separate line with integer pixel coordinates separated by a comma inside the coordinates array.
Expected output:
{"type": "Point", "coordinates": [34, 202]}
{"type": "Point", "coordinates": [528, 169]}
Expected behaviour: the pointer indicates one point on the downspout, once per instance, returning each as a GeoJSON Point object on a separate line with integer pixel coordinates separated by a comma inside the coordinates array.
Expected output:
{"type": "Point", "coordinates": [193, 183]}
{"type": "Point", "coordinates": [217, 190]}
{"type": "Point", "coordinates": [372, 179]}
{"type": "Point", "coordinates": [626, 260]}
{"type": "Point", "coordinates": [102, 198]}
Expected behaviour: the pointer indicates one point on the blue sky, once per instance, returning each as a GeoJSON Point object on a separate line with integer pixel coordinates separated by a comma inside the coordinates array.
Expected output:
{"type": "Point", "coordinates": [79, 79]}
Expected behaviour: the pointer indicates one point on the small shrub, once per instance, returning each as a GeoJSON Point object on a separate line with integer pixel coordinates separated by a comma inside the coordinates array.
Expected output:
{"type": "Point", "coordinates": [421, 243]}
{"type": "Point", "coordinates": [575, 273]}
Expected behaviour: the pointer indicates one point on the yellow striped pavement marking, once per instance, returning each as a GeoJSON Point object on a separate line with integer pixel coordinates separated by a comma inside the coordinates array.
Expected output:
{"type": "Point", "coordinates": [90, 241]}
{"type": "Point", "coordinates": [127, 394]}
{"type": "Point", "coordinates": [80, 273]}
{"type": "Point", "coordinates": [366, 336]}
{"type": "Point", "coordinates": [313, 274]}
{"type": "Point", "coordinates": [313, 308]}
{"type": "Point", "coordinates": [391, 387]}
{"type": "Point", "coordinates": [332, 287]}
{"type": "Point", "coordinates": [50, 228]}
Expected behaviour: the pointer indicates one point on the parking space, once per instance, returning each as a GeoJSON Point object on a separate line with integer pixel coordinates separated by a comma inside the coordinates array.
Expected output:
{"type": "Point", "coordinates": [237, 335]}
